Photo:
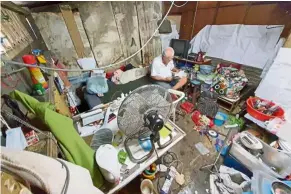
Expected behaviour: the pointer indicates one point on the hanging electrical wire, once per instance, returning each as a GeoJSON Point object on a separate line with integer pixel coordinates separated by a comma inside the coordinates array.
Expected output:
{"type": "Point", "coordinates": [194, 20]}
{"type": "Point", "coordinates": [12, 72]}
{"type": "Point", "coordinates": [111, 65]}
{"type": "Point", "coordinates": [180, 5]}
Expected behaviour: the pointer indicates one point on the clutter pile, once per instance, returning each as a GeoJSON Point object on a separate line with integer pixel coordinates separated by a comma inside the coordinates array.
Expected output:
{"type": "Point", "coordinates": [127, 130]}
{"type": "Point", "coordinates": [131, 125]}
{"type": "Point", "coordinates": [229, 81]}
{"type": "Point", "coordinates": [243, 140]}
{"type": "Point", "coordinates": [263, 109]}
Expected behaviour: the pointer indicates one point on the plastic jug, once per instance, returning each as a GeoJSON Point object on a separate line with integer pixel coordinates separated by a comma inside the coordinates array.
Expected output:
{"type": "Point", "coordinates": [107, 160]}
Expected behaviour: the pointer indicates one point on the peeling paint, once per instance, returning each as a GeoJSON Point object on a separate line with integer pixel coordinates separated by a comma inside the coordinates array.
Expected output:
{"type": "Point", "coordinates": [88, 52]}
{"type": "Point", "coordinates": [110, 31]}
{"type": "Point", "coordinates": [57, 38]}
{"type": "Point", "coordinates": [100, 25]}
{"type": "Point", "coordinates": [127, 25]}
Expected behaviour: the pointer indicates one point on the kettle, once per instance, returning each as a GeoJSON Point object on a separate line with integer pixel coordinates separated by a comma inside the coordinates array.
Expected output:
{"type": "Point", "coordinates": [200, 57]}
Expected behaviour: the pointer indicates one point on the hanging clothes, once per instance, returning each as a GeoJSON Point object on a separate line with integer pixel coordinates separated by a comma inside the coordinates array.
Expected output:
{"type": "Point", "coordinates": [74, 147]}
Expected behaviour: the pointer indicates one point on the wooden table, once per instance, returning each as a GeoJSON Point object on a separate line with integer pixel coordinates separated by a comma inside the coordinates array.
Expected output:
{"type": "Point", "coordinates": [227, 104]}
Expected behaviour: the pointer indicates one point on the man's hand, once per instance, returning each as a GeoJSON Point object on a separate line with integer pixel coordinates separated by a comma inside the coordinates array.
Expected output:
{"type": "Point", "coordinates": [168, 79]}
{"type": "Point", "coordinates": [176, 70]}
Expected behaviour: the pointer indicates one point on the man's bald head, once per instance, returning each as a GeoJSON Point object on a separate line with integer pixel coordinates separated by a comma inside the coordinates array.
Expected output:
{"type": "Point", "coordinates": [168, 52]}
{"type": "Point", "coordinates": [168, 55]}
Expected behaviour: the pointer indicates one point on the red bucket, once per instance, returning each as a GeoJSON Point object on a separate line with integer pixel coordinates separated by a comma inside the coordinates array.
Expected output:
{"type": "Point", "coordinates": [259, 115]}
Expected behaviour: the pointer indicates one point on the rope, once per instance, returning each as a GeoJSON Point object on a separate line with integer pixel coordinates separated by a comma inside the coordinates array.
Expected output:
{"type": "Point", "coordinates": [180, 5]}
{"type": "Point", "coordinates": [66, 184]}
{"type": "Point", "coordinates": [111, 65]}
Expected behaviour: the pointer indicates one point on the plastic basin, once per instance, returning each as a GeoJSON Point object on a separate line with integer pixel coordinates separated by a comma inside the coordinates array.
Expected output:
{"type": "Point", "coordinates": [259, 115]}
{"type": "Point", "coordinates": [220, 122]}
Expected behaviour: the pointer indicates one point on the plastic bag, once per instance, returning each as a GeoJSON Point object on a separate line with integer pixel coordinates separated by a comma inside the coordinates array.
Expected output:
{"type": "Point", "coordinates": [231, 181]}
{"type": "Point", "coordinates": [97, 85]}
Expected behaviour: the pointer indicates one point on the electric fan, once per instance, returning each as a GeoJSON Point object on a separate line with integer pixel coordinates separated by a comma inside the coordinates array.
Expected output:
{"type": "Point", "coordinates": [142, 115]}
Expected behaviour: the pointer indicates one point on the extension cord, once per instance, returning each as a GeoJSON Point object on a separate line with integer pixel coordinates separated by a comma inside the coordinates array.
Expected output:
{"type": "Point", "coordinates": [169, 179]}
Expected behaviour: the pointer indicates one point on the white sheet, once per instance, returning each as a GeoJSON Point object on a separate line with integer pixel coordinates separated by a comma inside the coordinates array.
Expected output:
{"type": "Point", "coordinates": [276, 85]}
{"type": "Point", "coordinates": [252, 45]}
{"type": "Point", "coordinates": [166, 38]}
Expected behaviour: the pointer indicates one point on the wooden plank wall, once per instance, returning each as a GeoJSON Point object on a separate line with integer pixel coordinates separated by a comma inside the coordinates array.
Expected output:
{"type": "Point", "coordinates": [125, 15]}
{"type": "Point", "coordinates": [56, 36]}
{"type": "Point", "coordinates": [99, 23]}
{"type": "Point", "coordinates": [149, 12]}
{"type": "Point", "coordinates": [108, 31]}
{"type": "Point", "coordinates": [230, 12]}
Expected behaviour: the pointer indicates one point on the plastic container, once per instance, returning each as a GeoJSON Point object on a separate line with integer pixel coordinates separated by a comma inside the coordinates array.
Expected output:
{"type": "Point", "coordinates": [107, 159]}
{"type": "Point", "coordinates": [187, 106]}
{"type": "Point", "coordinates": [271, 157]}
{"type": "Point", "coordinates": [284, 145]}
{"type": "Point", "coordinates": [196, 118]}
{"type": "Point", "coordinates": [206, 69]}
{"type": "Point", "coordinates": [220, 122]}
{"type": "Point", "coordinates": [146, 187]}
{"type": "Point", "coordinates": [36, 75]}
{"type": "Point", "coordinates": [259, 115]}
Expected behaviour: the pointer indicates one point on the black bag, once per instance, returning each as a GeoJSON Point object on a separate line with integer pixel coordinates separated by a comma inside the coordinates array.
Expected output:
{"type": "Point", "coordinates": [207, 103]}
{"type": "Point", "coordinates": [165, 27]}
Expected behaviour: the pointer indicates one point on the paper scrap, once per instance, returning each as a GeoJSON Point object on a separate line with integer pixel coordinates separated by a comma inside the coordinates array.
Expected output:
{"type": "Point", "coordinates": [180, 74]}
{"type": "Point", "coordinates": [87, 63]}
{"type": "Point", "coordinates": [165, 132]}
{"type": "Point", "coordinates": [201, 148]}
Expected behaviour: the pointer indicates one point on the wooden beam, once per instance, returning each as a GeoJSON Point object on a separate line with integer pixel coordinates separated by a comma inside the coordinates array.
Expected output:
{"type": "Point", "coordinates": [247, 11]}
{"type": "Point", "coordinates": [216, 13]}
{"type": "Point", "coordinates": [13, 7]}
{"type": "Point", "coordinates": [189, 6]}
{"type": "Point", "coordinates": [73, 30]}
{"type": "Point", "coordinates": [288, 41]}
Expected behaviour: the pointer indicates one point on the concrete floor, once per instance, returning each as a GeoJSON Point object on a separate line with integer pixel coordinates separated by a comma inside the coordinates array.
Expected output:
{"type": "Point", "coordinates": [196, 181]}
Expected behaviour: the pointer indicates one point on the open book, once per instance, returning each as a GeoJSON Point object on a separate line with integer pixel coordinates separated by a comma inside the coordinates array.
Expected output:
{"type": "Point", "coordinates": [180, 74]}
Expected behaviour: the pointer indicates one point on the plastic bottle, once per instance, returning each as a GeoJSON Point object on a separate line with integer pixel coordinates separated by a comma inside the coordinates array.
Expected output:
{"type": "Point", "coordinates": [36, 75]}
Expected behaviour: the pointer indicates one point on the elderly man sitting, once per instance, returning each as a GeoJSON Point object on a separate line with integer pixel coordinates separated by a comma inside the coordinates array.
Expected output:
{"type": "Point", "coordinates": [163, 68]}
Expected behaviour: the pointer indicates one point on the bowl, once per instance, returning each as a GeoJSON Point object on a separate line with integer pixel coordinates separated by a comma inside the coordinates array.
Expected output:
{"type": "Point", "coordinates": [280, 188]}
{"type": "Point", "coordinates": [206, 69]}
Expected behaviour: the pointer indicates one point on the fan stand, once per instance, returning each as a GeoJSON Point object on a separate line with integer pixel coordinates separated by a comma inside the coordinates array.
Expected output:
{"type": "Point", "coordinates": [233, 129]}
{"type": "Point", "coordinates": [130, 155]}
{"type": "Point", "coordinates": [144, 158]}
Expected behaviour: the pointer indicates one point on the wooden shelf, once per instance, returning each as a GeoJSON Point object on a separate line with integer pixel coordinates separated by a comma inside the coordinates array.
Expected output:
{"type": "Point", "coordinates": [206, 61]}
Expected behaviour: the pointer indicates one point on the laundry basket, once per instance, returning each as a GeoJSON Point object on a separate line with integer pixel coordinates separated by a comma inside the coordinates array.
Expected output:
{"type": "Point", "coordinates": [207, 103]}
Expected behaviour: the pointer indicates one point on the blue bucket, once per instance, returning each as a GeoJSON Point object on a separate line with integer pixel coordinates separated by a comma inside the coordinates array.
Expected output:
{"type": "Point", "coordinates": [220, 122]}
